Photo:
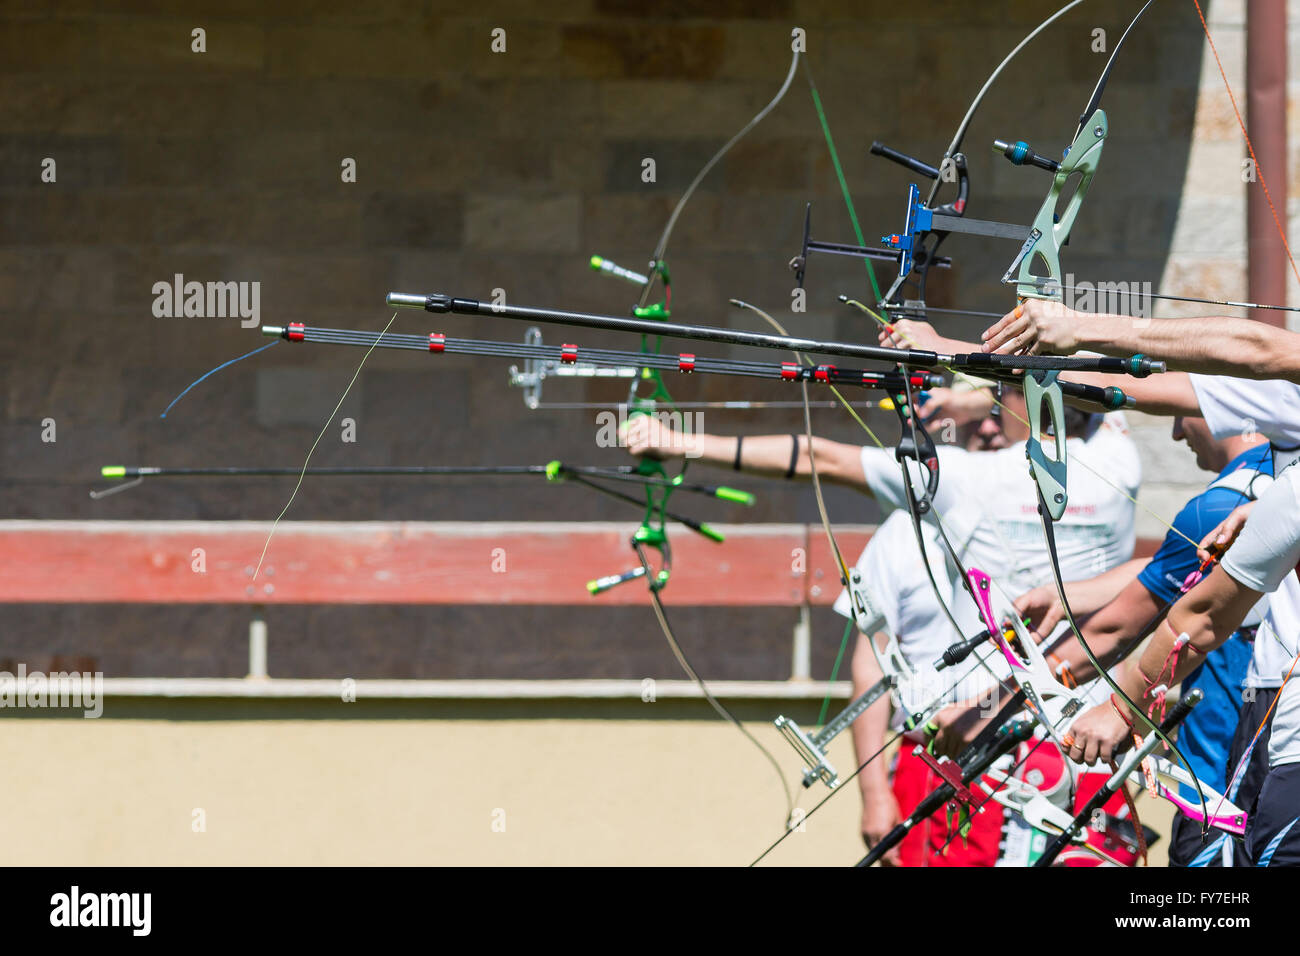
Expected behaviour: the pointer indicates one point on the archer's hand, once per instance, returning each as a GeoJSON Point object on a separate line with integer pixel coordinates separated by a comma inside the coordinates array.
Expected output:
{"type": "Point", "coordinates": [963, 408]}
{"type": "Point", "coordinates": [1221, 538]}
{"type": "Point", "coordinates": [911, 334]}
{"type": "Point", "coordinates": [1096, 734]}
{"type": "Point", "coordinates": [880, 814]}
{"type": "Point", "coordinates": [958, 725]}
{"type": "Point", "coordinates": [647, 435]}
{"type": "Point", "coordinates": [1035, 327]}
{"type": "Point", "coordinates": [1042, 606]}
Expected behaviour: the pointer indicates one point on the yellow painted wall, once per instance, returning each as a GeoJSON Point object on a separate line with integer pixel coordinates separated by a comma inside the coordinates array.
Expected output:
{"type": "Point", "coordinates": [407, 791]}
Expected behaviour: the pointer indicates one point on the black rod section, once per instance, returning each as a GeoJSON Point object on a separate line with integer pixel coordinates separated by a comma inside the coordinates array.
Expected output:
{"type": "Point", "coordinates": [909, 162]}
{"type": "Point", "coordinates": [442, 304]}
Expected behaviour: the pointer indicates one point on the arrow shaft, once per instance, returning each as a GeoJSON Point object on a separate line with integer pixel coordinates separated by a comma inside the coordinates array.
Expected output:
{"type": "Point", "coordinates": [685, 363]}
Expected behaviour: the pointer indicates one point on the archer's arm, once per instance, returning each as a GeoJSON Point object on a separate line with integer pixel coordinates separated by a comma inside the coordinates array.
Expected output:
{"type": "Point", "coordinates": [1042, 605]}
{"type": "Point", "coordinates": [1202, 619]}
{"type": "Point", "coordinates": [768, 455]}
{"type": "Point", "coordinates": [1208, 615]}
{"type": "Point", "coordinates": [1218, 345]}
{"type": "Point", "coordinates": [1112, 632]}
{"type": "Point", "coordinates": [1168, 394]}
{"type": "Point", "coordinates": [880, 811]}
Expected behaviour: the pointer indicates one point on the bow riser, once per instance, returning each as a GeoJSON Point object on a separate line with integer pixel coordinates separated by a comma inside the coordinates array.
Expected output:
{"type": "Point", "coordinates": [1049, 233]}
{"type": "Point", "coordinates": [1051, 702]}
{"type": "Point", "coordinates": [1043, 394]}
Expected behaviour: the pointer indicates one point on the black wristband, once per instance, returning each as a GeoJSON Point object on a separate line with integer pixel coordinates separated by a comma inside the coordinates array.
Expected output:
{"type": "Point", "coordinates": [740, 442]}
{"type": "Point", "coordinates": [794, 457]}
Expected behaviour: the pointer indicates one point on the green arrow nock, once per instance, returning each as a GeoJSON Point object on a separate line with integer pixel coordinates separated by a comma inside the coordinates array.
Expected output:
{"type": "Point", "coordinates": [734, 495]}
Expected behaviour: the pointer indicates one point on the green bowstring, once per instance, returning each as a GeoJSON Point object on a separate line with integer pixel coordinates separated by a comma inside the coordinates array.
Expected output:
{"type": "Point", "coordinates": [875, 288]}
{"type": "Point", "coordinates": [839, 175]}
{"type": "Point", "coordinates": [835, 672]}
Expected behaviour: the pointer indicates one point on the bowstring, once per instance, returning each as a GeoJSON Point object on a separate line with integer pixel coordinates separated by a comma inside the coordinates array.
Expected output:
{"type": "Point", "coordinates": [311, 451]}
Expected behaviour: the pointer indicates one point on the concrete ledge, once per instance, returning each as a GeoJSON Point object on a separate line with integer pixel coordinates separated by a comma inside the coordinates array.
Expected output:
{"type": "Point", "coordinates": [272, 688]}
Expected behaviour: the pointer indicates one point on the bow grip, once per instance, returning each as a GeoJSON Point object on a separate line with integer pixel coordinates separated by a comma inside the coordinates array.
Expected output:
{"type": "Point", "coordinates": [1043, 391]}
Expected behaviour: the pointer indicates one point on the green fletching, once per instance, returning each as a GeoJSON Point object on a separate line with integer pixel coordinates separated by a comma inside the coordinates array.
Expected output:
{"type": "Point", "coordinates": [593, 586]}
{"type": "Point", "coordinates": [554, 471]}
{"type": "Point", "coordinates": [597, 262]}
{"type": "Point", "coordinates": [734, 495]}
{"type": "Point", "coordinates": [113, 471]}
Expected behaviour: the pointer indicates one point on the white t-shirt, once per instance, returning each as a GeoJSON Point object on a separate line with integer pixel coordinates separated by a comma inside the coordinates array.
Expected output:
{"type": "Point", "coordinates": [1231, 406]}
{"type": "Point", "coordinates": [989, 507]}
{"type": "Point", "coordinates": [1262, 558]}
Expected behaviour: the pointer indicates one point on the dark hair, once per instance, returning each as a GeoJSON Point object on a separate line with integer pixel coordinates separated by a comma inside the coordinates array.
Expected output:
{"type": "Point", "coordinates": [1081, 424]}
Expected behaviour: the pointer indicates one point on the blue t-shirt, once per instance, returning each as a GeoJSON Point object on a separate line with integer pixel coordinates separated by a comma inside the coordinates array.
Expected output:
{"type": "Point", "coordinates": [1206, 734]}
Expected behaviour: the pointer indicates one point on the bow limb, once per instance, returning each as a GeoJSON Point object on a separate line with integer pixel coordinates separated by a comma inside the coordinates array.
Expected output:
{"type": "Point", "coordinates": [661, 247]}
{"type": "Point", "coordinates": [1038, 275]}
{"type": "Point", "coordinates": [651, 534]}
{"type": "Point", "coordinates": [915, 442]}
{"type": "Point", "coordinates": [964, 125]}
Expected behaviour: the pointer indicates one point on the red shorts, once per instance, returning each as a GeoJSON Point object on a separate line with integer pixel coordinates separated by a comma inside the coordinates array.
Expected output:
{"type": "Point", "coordinates": [924, 844]}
